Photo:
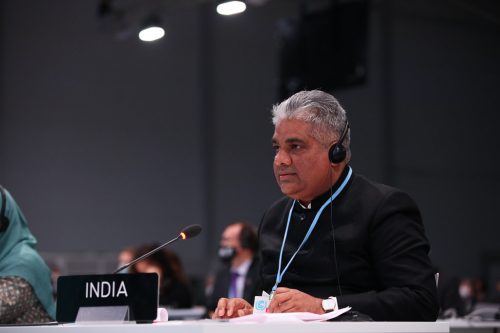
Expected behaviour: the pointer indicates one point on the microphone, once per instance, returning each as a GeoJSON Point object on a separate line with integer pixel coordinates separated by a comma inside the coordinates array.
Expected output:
{"type": "Point", "coordinates": [188, 232]}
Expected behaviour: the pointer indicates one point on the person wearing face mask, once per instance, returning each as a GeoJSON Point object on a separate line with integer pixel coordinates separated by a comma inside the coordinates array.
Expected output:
{"type": "Point", "coordinates": [238, 275]}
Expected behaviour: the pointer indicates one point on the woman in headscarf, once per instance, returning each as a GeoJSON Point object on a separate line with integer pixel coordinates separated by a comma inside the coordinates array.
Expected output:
{"type": "Point", "coordinates": [25, 285]}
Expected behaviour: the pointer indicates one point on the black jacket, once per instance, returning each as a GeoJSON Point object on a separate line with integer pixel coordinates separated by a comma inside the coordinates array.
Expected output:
{"type": "Point", "coordinates": [380, 252]}
{"type": "Point", "coordinates": [223, 279]}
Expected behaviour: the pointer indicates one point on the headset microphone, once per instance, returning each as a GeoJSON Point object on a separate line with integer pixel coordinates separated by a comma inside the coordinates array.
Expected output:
{"type": "Point", "coordinates": [186, 233]}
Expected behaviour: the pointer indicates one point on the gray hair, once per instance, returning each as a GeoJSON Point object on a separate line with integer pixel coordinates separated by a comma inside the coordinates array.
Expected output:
{"type": "Point", "coordinates": [321, 110]}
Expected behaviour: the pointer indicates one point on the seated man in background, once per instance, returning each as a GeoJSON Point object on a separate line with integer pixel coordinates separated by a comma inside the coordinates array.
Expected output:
{"type": "Point", "coordinates": [175, 289]}
{"type": "Point", "coordinates": [336, 239]}
{"type": "Point", "coordinates": [25, 281]}
{"type": "Point", "coordinates": [238, 275]}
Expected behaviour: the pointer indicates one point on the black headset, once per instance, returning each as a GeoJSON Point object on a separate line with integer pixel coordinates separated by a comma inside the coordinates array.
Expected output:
{"type": "Point", "coordinates": [337, 152]}
{"type": "Point", "coordinates": [4, 221]}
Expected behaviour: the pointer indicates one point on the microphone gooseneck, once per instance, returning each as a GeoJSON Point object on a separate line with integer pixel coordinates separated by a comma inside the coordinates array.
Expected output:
{"type": "Point", "coordinates": [188, 232]}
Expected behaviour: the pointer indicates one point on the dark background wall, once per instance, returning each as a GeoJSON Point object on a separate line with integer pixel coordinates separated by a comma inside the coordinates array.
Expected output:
{"type": "Point", "coordinates": [107, 142]}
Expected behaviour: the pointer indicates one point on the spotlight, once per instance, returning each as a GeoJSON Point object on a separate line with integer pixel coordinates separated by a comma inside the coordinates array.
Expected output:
{"type": "Point", "coordinates": [231, 7]}
{"type": "Point", "coordinates": [151, 30]}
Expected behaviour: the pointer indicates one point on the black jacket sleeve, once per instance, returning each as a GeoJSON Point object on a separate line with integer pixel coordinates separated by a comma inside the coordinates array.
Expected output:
{"type": "Point", "coordinates": [399, 256]}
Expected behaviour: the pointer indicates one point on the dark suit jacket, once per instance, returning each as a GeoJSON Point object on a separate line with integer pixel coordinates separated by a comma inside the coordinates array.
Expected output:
{"type": "Point", "coordinates": [223, 278]}
{"type": "Point", "coordinates": [379, 256]}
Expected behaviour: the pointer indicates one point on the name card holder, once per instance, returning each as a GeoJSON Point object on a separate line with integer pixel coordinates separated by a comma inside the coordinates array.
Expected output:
{"type": "Point", "coordinates": [107, 298]}
{"type": "Point", "coordinates": [102, 313]}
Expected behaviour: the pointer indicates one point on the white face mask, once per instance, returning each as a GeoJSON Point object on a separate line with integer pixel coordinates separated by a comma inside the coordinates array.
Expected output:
{"type": "Point", "coordinates": [465, 291]}
{"type": "Point", "coordinates": [226, 254]}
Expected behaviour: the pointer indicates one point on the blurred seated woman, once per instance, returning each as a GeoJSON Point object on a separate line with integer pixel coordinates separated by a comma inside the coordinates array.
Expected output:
{"type": "Point", "coordinates": [25, 285]}
{"type": "Point", "coordinates": [175, 290]}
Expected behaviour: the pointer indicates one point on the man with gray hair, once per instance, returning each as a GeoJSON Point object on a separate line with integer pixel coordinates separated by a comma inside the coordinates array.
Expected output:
{"type": "Point", "coordinates": [336, 239]}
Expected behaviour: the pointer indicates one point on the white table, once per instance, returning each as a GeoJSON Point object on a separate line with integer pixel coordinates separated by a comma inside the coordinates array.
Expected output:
{"type": "Point", "coordinates": [473, 326]}
{"type": "Point", "coordinates": [209, 326]}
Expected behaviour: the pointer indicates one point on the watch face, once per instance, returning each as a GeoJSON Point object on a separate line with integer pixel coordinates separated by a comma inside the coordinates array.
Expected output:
{"type": "Point", "coordinates": [328, 304]}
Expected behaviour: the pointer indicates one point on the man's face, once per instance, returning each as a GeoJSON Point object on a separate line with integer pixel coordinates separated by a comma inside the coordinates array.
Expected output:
{"type": "Point", "coordinates": [301, 165]}
{"type": "Point", "coordinates": [231, 237]}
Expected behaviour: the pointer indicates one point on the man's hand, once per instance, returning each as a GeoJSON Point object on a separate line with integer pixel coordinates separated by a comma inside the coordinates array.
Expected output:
{"type": "Point", "coordinates": [232, 308]}
{"type": "Point", "coordinates": [293, 300]}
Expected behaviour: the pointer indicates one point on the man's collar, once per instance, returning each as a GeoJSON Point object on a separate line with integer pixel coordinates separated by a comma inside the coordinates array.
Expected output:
{"type": "Point", "coordinates": [309, 206]}
{"type": "Point", "coordinates": [242, 269]}
{"type": "Point", "coordinates": [317, 202]}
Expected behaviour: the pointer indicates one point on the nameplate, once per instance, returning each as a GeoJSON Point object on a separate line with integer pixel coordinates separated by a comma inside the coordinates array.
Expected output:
{"type": "Point", "coordinates": [139, 292]}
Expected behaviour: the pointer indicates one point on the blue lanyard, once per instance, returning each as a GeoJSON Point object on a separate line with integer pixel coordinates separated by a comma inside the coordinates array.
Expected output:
{"type": "Point", "coordinates": [280, 274]}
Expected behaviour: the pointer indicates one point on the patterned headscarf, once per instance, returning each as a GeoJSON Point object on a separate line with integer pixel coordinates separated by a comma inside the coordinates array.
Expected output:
{"type": "Point", "coordinates": [18, 256]}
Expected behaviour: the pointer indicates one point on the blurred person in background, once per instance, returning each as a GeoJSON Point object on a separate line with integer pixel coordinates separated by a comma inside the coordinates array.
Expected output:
{"type": "Point", "coordinates": [496, 296]}
{"type": "Point", "coordinates": [451, 304]}
{"type": "Point", "coordinates": [238, 276]}
{"type": "Point", "coordinates": [25, 279]}
{"type": "Point", "coordinates": [55, 273]}
{"type": "Point", "coordinates": [175, 290]}
{"type": "Point", "coordinates": [471, 291]}
{"type": "Point", "coordinates": [125, 256]}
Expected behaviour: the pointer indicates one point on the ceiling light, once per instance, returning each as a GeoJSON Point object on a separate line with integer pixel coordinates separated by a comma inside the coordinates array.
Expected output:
{"type": "Point", "coordinates": [231, 7]}
{"type": "Point", "coordinates": [151, 30]}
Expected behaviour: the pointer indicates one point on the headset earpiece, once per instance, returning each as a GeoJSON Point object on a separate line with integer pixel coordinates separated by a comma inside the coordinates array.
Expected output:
{"type": "Point", "coordinates": [337, 152]}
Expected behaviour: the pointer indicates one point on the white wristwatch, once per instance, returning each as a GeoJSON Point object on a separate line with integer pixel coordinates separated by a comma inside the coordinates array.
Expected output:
{"type": "Point", "coordinates": [329, 304]}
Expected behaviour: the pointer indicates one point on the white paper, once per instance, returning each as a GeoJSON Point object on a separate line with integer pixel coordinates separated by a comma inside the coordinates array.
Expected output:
{"type": "Point", "coordinates": [289, 316]}
{"type": "Point", "coordinates": [161, 315]}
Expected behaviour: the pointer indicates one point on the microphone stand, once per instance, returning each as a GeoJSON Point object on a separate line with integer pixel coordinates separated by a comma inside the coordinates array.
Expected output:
{"type": "Point", "coordinates": [146, 255]}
